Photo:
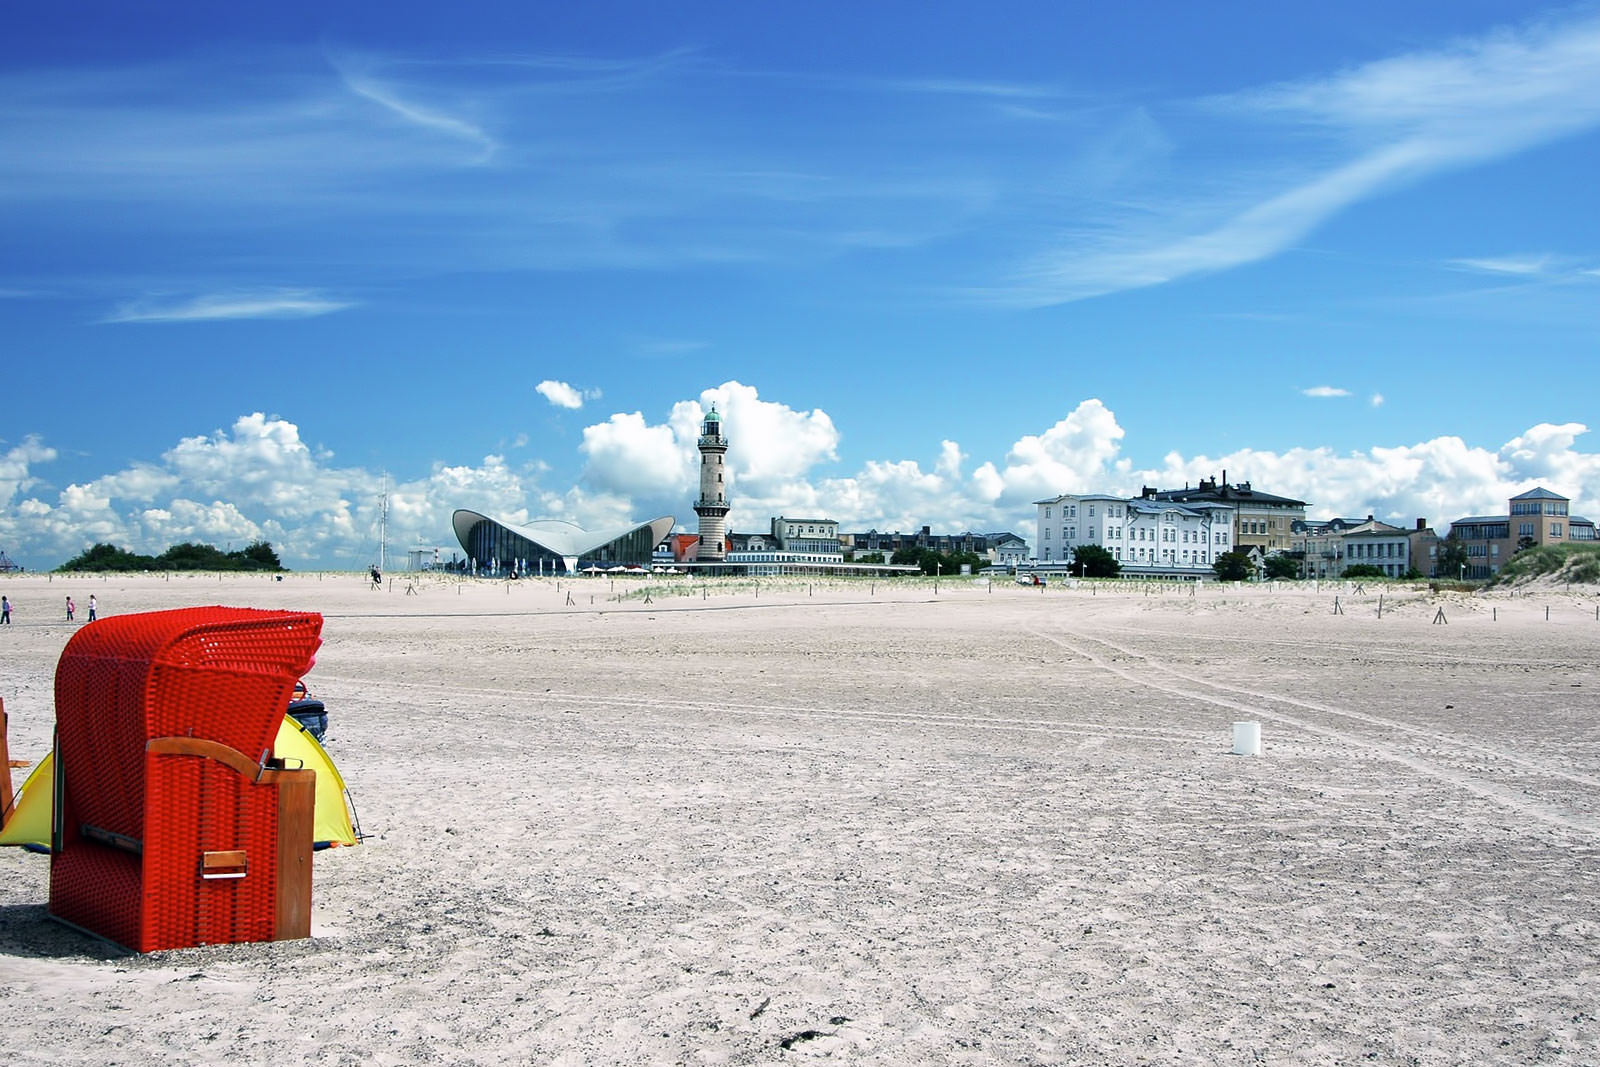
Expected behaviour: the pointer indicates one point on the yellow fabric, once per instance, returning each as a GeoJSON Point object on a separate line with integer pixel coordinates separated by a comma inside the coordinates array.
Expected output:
{"type": "Point", "coordinates": [29, 822]}
{"type": "Point", "coordinates": [332, 818]}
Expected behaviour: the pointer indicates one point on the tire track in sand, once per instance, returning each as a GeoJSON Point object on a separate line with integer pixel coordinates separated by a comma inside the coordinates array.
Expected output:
{"type": "Point", "coordinates": [1252, 703]}
{"type": "Point", "coordinates": [1057, 727]}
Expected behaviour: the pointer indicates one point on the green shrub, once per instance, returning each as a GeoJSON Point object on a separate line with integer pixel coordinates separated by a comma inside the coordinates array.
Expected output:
{"type": "Point", "coordinates": [189, 556]}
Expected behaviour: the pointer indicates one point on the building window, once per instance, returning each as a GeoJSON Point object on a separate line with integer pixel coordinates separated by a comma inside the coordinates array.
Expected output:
{"type": "Point", "coordinates": [1555, 529]}
{"type": "Point", "coordinates": [1047, 513]}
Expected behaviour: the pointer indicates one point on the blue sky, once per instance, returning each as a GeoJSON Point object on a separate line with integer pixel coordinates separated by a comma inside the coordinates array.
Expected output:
{"type": "Point", "coordinates": [932, 262]}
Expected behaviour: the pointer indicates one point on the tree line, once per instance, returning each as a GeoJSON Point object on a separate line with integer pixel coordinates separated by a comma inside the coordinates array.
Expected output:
{"type": "Point", "coordinates": [189, 556]}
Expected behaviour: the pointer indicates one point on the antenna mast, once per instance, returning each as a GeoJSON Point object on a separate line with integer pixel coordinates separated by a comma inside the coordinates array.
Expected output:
{"type": "Point", "coordinates": [383, 527]}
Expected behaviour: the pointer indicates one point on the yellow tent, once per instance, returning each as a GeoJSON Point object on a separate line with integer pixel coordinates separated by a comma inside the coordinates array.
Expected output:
{"type": "Point", "coordinates": [28, 824]}
{"type": "Point", "coordinates": [296, 746]}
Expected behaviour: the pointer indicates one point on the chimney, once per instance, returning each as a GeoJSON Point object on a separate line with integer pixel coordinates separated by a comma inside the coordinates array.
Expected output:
{"type": "Point", "coordinates": [1422, 524]}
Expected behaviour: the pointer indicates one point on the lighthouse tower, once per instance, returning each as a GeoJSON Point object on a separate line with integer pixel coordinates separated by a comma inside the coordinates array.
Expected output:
{"type": "Point", "coordinates": [712, 507]}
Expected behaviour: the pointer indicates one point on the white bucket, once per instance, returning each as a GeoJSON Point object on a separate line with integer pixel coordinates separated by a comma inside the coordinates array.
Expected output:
{"type": "Point", "coordinates": [1247, 739]}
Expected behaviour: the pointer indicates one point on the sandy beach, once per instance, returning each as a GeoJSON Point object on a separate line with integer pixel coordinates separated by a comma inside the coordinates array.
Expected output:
{"type": "Point", "coordinates": [891, 823]}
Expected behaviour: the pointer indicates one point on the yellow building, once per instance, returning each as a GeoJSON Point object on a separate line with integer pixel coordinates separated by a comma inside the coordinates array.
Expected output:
{"type": "Point", "coordinates": [1537, 517]}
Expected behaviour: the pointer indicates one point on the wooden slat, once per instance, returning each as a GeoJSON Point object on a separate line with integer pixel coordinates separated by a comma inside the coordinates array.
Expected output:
{"type": "Point", "coordinates": [199, 746]}
{"type": "Point", "coordinates": [297, 797]}
{"type": "Point", "coordinates": [121, 842]}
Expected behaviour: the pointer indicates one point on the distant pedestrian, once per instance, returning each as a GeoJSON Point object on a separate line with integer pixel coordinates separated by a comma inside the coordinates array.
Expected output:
{"type": "Point", "coordinates": [5, 610]}
{"type": "Point", "coordinates": [93, 608]}
{"type": "Point", "coordinates": [71, 608]}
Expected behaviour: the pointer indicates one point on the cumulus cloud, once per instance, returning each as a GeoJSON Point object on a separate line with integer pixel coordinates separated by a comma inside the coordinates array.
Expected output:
{"type": "Point", "coordinates": [560, 394]}
{"type": "Point", "coordinates": [256, 479]}
{"type": "Point", "coordinates": [1324, 391]}
{"type": "Point", "coordinates": [259, 479]}
{"type": "Point", "coordinates": [774, 447]}
{"type": "Point", "coordinates": [17, 462]}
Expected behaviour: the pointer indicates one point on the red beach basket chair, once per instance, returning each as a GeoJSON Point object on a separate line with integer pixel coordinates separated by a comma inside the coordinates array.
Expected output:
{"type": "Point", "coordinates": [174, 826]}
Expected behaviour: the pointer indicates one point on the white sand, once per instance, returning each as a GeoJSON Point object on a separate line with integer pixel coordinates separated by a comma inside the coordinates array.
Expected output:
{"type": "Point", "coordinates": [887, 825]}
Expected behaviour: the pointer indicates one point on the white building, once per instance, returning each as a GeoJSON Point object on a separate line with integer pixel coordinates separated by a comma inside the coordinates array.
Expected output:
{"type": "Point", "coordinates": [807, 535]}
{"type": "Point", "coordinates": [1010, 553]}
{"type": "Point", "coordinates": [1148, 537]}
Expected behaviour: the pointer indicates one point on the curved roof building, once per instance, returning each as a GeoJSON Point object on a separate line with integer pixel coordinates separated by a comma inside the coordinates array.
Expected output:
{"type": "Point", "coordinates": [555, 544]}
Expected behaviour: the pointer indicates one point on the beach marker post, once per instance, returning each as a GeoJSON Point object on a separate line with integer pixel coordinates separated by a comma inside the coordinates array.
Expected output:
{"type": "Point", "coordinates": [1247, 739]}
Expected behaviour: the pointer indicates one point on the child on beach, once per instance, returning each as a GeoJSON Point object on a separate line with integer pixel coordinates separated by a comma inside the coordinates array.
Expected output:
{"type": "Point", "coordinates": [92, 608]}
{"type": "Point", "coordinates": [71, 607]}
{"type": "Point", "coordinates": [5, 610]}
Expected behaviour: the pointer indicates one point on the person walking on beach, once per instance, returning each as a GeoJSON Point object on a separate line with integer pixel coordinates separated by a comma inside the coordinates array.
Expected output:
{"type": "Point", "coordinates": [92, 608]}
{"type": "Point", "coordinates": [5, 610]}
{"type": "Point", "coordinates": [71, 607]}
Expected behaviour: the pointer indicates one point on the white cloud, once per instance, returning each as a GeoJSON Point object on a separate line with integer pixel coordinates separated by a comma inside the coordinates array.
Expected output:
{"type": "Point", "coordinates": [259, 478]}
{"type": "Point", "coordinates": [1079, 450]}
{"type": "Point", "coordinates": [1325, 391]}
{"type": "Point", "coordinates": [626, 455]}
{"type": "Point", "coordinates": [1376, 400]}
{"type": "Point", "coordinates": [16, 465]}
{"type": "Point", "coordinates": [950, 459]}
{"type": "Point", "coordinates": [1384, 124]}
{"type": "Point", "coordinates": [271, 304]}
{"type": "Point", "coordinates": [1518, 265]}
{"type": "Point", "coordinates": [427, 118]}
{"type": "Point", "coordinates": [774, 446]}
{"type": "Point", "coordinates": [560, 394]}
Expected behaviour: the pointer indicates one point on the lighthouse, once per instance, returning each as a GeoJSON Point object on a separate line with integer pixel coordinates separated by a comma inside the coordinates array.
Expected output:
{"type": "Point", "coordinates": [712, 507]}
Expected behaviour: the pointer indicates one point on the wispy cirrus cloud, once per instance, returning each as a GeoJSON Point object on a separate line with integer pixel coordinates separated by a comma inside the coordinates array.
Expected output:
{"type": "Point", "coordinates": [1543, 269]}
{"type": "Point", "coordinates": [1518, 265]}
{"type": "Point", "coordinates": [428, 118]}
{"type": "Point", "coordinates": [669, 346]}
{"type": "Point", "coordinates": [276, 304]}
{"type": "Point", "coordinates": [1383, 125]}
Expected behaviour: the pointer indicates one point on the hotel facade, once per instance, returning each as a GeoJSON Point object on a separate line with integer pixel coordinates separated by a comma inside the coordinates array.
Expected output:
{"type": "Point", "coordinates": [1149, 538]}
